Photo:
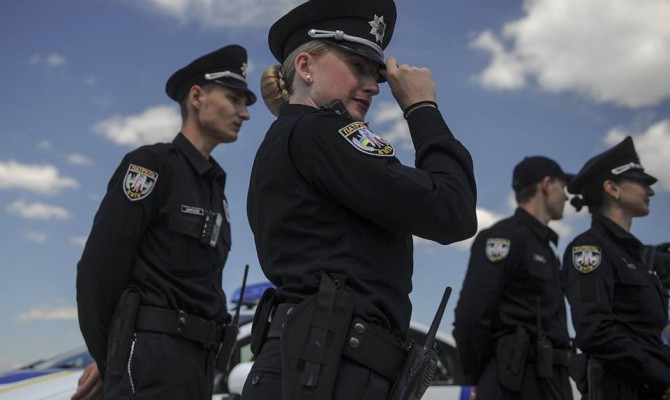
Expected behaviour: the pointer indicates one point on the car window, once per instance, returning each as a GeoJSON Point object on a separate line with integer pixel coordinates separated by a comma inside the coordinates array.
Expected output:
{"type": "Point", "coordinates": [74, 359]}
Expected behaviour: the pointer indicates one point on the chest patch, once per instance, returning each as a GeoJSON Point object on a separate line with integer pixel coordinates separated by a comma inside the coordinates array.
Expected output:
{"type": "Point", "coordinates": [362, 138]}
{"type": "Point", "coordinates": [138, 182]}
{"type": "Point", "coordinates": [497, 248]}
{"type": "Point", "coordinates": [586, 258]}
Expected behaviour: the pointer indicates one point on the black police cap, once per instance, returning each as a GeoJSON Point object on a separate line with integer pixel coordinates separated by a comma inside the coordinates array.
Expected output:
{"type": "Point", "coordinates": [533, 169]}
{"type": "Point", "coordinates": [226, 66]}
{"type": "Point", "coordinates": [621, 161]}
{"type": "Point", "coordinates": [363, 27]}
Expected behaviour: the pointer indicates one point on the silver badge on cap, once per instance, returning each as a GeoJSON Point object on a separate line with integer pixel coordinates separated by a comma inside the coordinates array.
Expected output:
{"type": "Point", "coordinates": [244, 69]}
{"type": "Point", "coordinates": [378, 28]}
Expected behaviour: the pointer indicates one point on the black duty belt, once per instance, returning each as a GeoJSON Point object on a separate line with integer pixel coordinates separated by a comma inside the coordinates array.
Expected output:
{"type": "Point", "coordinates": [560, 356]}
{"type": "Point", "coordinates": [178, 323]}
{"type": "Point", "coordinates": [367, 344]}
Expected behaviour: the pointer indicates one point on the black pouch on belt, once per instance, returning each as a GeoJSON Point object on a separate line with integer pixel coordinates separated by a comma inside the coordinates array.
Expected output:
{"type": "Point", "coordinates": [511, 352]}
{"type": "Point", "coordinates": [544, 363]}
{"type": "Point", "coordinates": [261, 323]}
{"type": "Point", "coordinates": [312, 340]}
{"type": "Point", "coordinates": [122, 330]}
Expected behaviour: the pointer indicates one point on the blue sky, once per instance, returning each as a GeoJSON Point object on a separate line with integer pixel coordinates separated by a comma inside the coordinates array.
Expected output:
{"type": "Point", "coordinates": [83, 83]}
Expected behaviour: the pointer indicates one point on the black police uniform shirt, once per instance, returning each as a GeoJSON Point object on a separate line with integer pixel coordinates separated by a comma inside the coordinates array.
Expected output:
{"type": "Point", "coordinates": [326, 194]}
{"type": "Point", "coordinates": [148, 232]}
{"type": "Point", "coordinates": [618, 306]}
{"type": "Point", "coordinates": [511, 265]}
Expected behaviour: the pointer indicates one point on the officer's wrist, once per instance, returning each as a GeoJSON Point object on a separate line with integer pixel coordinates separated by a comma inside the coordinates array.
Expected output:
{"type": "Point", "coordinates": [410, 109]}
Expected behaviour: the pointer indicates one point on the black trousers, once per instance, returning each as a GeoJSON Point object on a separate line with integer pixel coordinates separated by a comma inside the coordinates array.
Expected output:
{"type": "Point", "coordinates": [353, 381]}
{"type": "Point", "coordinates": [162, 366]}
{"type": "Point", "coordinates": [533, 388]}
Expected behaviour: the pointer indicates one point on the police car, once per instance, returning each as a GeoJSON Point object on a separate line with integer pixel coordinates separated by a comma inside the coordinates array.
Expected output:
{"type": "Point", "coordinates": [56, 378]}
{"type": "Point", "coordinates": [51, 379]}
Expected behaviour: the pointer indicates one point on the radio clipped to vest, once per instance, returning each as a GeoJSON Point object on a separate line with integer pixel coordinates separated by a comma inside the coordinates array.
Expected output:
{"type": "Point", "coordinates": [419, 369]}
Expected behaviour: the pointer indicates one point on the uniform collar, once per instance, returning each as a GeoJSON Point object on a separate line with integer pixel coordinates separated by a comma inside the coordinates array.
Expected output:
{"type": "Point", "coordinates": [545, 233]}
{"type": "Point", "coordinates": [197, 160]}
{"type": "Point", "coordinates": [601, 222]}
{"type": "Point", "coordinates": [288, 110]}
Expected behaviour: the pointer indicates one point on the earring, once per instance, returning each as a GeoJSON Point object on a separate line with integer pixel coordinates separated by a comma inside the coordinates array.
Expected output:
{"type": "Point", "coordinates": [308, 78]}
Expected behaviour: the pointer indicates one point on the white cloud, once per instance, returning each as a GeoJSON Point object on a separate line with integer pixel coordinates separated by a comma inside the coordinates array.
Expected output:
{"type": "Point", "coordinates": [47, 312]}
{"type": "Point", "coordinates": [155, 124]}
{"type": "Point", "coordinates": [39, 211]}
{"type": "Point", "coordinates": [79, 159]}
{"type": "Point", "coordinates": [485, 218]}
{"type": "Point", "coordinates": [506, 70]}
{"type": "Point", "coordinates": [44, 145]}
{"type": "Point", "coordinates": [79, 241]}
{"type": "Point", "coordinates": [43, 179]}
{"type": "Point", "coordinates": [653, 148]}
{"type": "Point", "coordinates": [51, 60]}
{"type": "Point", "coordinates": [230, 13]}
{"type": "Point", "coordinates": [389, 114]}
{"type": "Point", "coordinates": [36, 237]}
{"type": "Point", "coordinates": [612, 51]}
{"type": "Point", "coordinates": [55, 60]}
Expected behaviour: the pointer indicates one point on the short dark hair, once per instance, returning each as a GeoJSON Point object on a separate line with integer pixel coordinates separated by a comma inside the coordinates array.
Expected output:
{"type": "Point", "coordinates": [525, 193]}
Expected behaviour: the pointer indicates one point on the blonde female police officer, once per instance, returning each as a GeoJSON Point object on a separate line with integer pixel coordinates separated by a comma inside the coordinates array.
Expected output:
{"type": "Point", "coordinates": [161, 236]}
{"type": "Point", "coordinates": [618, 305]}
{"type": "Point", "coordinates": [333, 211]}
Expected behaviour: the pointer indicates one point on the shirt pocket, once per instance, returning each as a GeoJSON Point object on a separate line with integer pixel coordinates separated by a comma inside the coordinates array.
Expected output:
{"type": "Point", "coordinates": [631, 294]}
{"type": "Point", "coordinates": [541, 278]}
{"type": "Point", "coordinates": [189, 252]}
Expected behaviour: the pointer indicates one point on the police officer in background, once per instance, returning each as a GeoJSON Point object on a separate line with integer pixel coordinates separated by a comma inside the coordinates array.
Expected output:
{"type": "Point", "coordinates": [510, 321]}
{"type": "Point", "coordinates": [151, 307]}
{"type": "Point", "coordinates": [618, 304]}
{"type": "Point", "coordinates": [333, 211]}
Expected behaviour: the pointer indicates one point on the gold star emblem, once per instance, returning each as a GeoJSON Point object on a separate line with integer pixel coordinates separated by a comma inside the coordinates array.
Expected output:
{"type": "Point", "coordinates": [378, 28]}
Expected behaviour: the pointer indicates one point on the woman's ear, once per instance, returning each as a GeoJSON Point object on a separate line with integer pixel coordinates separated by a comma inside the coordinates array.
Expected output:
{"type": "Point", "coordinates": [303, 67]}
{"type": "Point", "coordinates": [611, 188]}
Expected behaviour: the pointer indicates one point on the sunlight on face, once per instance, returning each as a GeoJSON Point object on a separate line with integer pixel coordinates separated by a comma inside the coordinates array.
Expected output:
{"type": "Point", "coordinates": [345, 76]}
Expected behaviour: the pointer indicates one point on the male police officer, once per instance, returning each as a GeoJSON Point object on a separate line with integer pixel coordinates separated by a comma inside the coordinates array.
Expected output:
{"type": "Point", "coordinates": [151, 307]}
{"type": "Point", "coordinates": [510, 323]}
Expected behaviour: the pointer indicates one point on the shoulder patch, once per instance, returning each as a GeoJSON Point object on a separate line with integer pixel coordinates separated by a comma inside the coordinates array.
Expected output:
{"type": "Point", "coordinates": [497, 248]}
{"type": "Point", "coordinates": [138, 182]}
{"type": "Point", "coordinates": [586, 258]}
{"type": "Point", "coordinates": [362, 138]}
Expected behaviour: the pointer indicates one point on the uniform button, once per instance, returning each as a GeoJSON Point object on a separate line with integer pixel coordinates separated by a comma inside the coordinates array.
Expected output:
{"type": "Point", "coordinates": [359, 328]}
{"type": "Point", "coordinates": [354, 342]}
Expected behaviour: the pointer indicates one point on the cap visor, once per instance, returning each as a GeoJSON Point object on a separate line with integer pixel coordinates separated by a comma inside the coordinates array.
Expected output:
{"type": "Point", "coordinates": [363, 51]}
{"type": "Point", "coordinates": [639, 175]}
{"type": "Point", "coordinates": [234, 84]}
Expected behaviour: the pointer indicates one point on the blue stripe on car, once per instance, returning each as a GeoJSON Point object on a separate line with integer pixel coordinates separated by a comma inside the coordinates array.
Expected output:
{"type": "Point", "coordinates": [18, 376]}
